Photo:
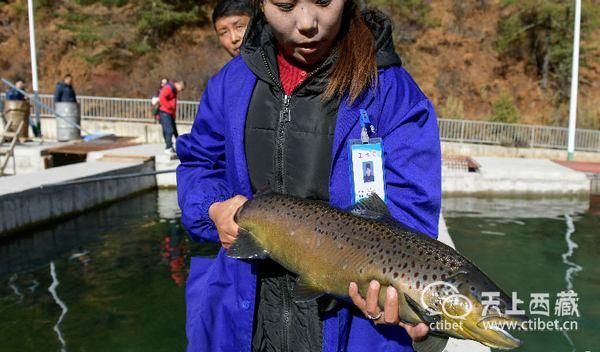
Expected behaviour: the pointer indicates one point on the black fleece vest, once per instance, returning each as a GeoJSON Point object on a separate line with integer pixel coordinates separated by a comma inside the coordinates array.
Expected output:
{"type": "Point", "coordinates": [288, 142]}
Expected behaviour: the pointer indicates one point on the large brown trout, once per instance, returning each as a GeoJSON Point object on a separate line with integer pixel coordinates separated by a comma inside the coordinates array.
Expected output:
{"type": "Point", "coordinates": [328, 248]}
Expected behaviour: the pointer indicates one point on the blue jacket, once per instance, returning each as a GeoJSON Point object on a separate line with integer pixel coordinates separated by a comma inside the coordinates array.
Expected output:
{"type": "Point", "coordinates": [13, 94]}
{"type": "Point", "coordinates": [221, 292]}
{"type": "Point", "coordinates": [64, 93]}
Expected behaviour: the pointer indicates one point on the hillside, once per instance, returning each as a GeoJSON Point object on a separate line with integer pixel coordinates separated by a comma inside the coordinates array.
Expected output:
{"type": "Point", "coordinates": [451, 47]}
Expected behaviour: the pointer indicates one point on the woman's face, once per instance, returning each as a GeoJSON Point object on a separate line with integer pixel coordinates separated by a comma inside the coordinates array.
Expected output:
{"type": "Point", "coordinates": [306, 30]}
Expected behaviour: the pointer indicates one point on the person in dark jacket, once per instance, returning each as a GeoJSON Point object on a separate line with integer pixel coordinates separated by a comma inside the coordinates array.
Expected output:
{"type": "Point", "coordinates": [14, 94]}
{"type": "Point", "coordinates": [64, 92]}
{"type": "Point", "coordinates": [278, 118]}
{"type": "Point", "coordinates": [168, 111]}
{"type": "Point", "coordinates": [230, 19]}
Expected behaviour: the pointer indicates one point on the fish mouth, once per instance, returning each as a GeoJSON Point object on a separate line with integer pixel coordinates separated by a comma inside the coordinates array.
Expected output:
{"type": "Point", "coordinates": [493, 331]}
{"type": "Point", "coordinates": [509, 341]}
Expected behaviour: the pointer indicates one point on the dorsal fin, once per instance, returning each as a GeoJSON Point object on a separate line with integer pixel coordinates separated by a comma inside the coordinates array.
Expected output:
{"type": "Point", "coordinates": [372, 208]}
{"type": "Point", "coordinates": [372, 203]}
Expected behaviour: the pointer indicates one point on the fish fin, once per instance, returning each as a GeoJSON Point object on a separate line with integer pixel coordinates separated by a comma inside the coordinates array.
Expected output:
{"type": "Point", "coordinates": [246, 247]}
{"type": "Point", "coordinates": [370, 206]}
{"type": "Point", "coordinates": [420, 311]}
{"type": "Point", "coordinates": [406, 311]}
{"type": "Point", "coordinates": [431, 344]}
{"type": "Point", "coordinates": [304, 291]}
{"type": "Point", "coordinates": [263, 191]}
{"type": "Point", "coordinates": [374, 208]}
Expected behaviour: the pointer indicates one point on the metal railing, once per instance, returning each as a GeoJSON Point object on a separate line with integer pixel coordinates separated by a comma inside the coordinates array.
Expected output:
{"type": "Point", "coordinates": [121, 109]}
{"type": "Point", "coordinates": [516, 135]}
{"type": "Point", "coordinates": [463, 131]}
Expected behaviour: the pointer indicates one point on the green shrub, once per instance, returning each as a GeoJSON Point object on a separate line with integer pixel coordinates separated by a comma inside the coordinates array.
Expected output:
{"type": "Point", "coordinates": [410, 16]}
{"type": "Point", "coordinates": [504, 110]}
{"type": "Point", "coordinates": [108, 3]}
{"type": "Point", "coordinates": [159, 19]}
{"type": "Point", "coordinates": [540, 32]}
{"type": "Point", "coordinates": [453, 108]}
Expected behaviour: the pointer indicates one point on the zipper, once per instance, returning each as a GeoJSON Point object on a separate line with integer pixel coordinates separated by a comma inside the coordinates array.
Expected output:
{"type": "Point", "coordinates": [286, 298]}
{"type": "Point", "coordinates": [285, 117]}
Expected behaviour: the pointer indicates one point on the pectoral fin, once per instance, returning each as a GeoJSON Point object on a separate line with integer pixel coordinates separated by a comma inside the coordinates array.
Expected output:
{"type": "Point", "coordinates": [246, 247]}
{"type": "Point", "coordinates": [406, 312]}
{"type": "Point", "coordinates": [422, 313]}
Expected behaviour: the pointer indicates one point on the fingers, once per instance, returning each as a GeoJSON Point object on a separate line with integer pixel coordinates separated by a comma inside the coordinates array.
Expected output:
{"type": "Point", "coordinates": [222, 214]}
{"type": "Point", "coordinates": [417, 332]}
{"type": "Point", "coordinates": [356, 297]}
{"type": "Point", "coordinates": [372, 306]}
{"type": "Point", "coordinates": [226, 240]}
{"type": "Point", "coordinates": [390, 311]}
{"type": "Point", "coordinates": [237, 202]}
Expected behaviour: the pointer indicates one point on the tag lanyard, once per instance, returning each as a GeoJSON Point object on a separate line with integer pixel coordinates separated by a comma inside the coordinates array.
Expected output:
{"type": "Point", "coordinates": [367, 171]}
{"type": "Point", "coordinates": [367, 128]}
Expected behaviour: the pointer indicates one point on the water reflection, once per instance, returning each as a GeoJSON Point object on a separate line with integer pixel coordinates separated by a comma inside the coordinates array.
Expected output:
{"type": "Point", "coordinates": [12, 283]}
{"type": "Point", "coordinates": [110, 272]}
{"type": "Point", "coordinates": [175, 247]}
{"type": "Point", "coordinates": [571, 246]}
{"type": "Point", "coordinates": [61, 304]}
{"type": "Point", "coordinates": [35, 249]}
{"type": "Point", "coordinates": [511, 209]}
{"type": "Point", "coordinates": [595, 204]}
{"type": "Point", "coordinates": [572, 268]}
{"type": "Point", "coordinates": [549, 245]}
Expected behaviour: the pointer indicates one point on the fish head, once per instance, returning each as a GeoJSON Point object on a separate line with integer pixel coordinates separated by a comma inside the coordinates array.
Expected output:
{"type": "Point", "coordinates": [469, 305]}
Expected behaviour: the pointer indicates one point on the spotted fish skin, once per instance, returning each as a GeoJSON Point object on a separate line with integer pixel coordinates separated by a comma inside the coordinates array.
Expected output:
{"type": "Point", "coordinates": [329, 248]}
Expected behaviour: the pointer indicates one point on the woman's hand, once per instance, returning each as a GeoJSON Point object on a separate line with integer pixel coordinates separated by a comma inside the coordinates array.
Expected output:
{"type": "Point", "coordinates": [389, 315]}
{"type": "Point", "coordinates": [222, 214]}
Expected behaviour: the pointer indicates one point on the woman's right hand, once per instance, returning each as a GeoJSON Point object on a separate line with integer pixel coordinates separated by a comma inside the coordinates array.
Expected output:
{"type": "Point", "coordinates": [222, 214]}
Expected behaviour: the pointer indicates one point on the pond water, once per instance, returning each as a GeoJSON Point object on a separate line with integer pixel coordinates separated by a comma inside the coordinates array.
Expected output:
{"type": "Point", "coordinates": [537, 246]}
{"type": "Point", "coordinates": [113, 279]}
{"type": "Point", "coordinates": [109, 280]}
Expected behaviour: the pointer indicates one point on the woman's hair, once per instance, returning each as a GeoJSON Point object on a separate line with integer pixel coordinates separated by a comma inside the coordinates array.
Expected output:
{"type": "Point", "coordinates": [355, 69]}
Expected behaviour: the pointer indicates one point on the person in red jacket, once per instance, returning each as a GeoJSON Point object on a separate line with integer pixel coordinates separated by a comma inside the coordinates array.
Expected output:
{"type": "Point", "coordinates": [168, 111]}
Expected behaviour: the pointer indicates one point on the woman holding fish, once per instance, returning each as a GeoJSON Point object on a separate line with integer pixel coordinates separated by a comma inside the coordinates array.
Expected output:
{"type": "Point", "coordinates": [317, 88]}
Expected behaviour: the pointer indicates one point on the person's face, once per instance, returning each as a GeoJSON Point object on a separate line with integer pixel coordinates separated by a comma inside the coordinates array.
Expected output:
{"type": "Point", "coordinates": [163, 82]}
{"type": "Point", "coordinates": [180, 86]}
{"type": "Point", "coordinates": [68, 80]}
{"type": "Point", "coordinates": [305, 29]}
{"type": "Point", "coordinates": [368, 171]}
{"type": "Point", "coordinates": [20, 85]}
{"type": "Point", "coordinates": [231, 30]}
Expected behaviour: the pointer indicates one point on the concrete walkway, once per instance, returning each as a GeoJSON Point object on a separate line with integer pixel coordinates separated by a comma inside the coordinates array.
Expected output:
{"type": "Point", "coordinates": [155, 152]}
{"type": "Point", "coordinates": [32, 157]}
{"type": "Point", "coordinates": [516, 176]}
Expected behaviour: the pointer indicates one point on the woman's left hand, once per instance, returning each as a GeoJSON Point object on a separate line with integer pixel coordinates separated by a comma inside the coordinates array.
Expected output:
{"type": "Point", "coordinates": [370, 308]}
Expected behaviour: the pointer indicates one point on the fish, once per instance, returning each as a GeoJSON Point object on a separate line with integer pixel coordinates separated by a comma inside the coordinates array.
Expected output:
{"type": "Point", "coordinates": [329, 248]}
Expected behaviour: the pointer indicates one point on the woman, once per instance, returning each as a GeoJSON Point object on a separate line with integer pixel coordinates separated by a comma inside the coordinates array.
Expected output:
{"type": "Point", "coordinates": [278, 118]}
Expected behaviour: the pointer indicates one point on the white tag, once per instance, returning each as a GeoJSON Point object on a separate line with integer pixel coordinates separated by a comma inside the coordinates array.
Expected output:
{"type": "Point", "coordinates": [367, 169]}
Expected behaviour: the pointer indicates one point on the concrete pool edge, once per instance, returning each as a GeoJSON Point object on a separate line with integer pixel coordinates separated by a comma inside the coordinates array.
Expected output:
{"type": "Point", "coordinates": [25, 208]}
